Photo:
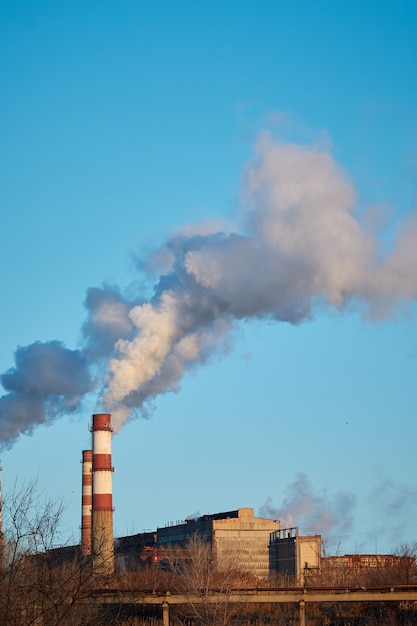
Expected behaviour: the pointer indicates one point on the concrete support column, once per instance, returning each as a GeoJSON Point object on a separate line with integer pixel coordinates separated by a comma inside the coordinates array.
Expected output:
{"type": "Point", "coordinates": [302, 613]}
{"type": "Point", "coordinates": [165, 614]}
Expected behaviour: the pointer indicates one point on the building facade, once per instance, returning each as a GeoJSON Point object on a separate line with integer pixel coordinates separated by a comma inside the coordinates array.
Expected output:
{"type": "Point", "coordinates": [294, 555]}
{"type": "Point", "coordinates": [237, 539]}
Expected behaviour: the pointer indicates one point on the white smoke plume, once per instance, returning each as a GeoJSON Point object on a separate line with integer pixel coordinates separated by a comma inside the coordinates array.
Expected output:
{"type": "Point", "coordinates": [312, 513]}
{"type": "Point", "coordinates": [298, 245]}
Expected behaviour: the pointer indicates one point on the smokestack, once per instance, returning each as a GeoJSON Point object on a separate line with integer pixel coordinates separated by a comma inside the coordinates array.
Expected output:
{"type": "Point", "coordinates": [87, 503]}
{"type": "Point", "coordinates": [103, 544]}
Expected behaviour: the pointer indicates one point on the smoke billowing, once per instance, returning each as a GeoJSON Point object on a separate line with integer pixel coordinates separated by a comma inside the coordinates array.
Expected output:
{"type": "Point", "coordinates": [313, 513]}
{"type": "Point", "coordinates": [47, 380]}
{"type": "Point", "coordinates": [298, 245]}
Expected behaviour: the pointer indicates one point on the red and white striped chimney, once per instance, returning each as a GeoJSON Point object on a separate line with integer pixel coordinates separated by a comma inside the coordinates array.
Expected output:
{"type": "Point", "coordinates": [103, 544]}
{"type": "Point", "coordinates": [87, 503]}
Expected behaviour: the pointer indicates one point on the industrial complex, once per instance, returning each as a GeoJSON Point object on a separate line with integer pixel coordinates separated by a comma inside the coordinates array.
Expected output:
{"type": "Point", "coordinates": [257, 546]}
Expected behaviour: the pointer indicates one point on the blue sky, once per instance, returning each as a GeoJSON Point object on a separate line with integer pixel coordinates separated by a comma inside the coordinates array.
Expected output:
{"type": "Point", "coordinates": [125, 123]}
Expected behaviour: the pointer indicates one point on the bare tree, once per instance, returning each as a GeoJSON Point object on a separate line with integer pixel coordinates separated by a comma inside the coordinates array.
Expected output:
{"type": "Point", "coordinates": [39, 584]}
{"type": "Point", "coordinates": [206, 587]}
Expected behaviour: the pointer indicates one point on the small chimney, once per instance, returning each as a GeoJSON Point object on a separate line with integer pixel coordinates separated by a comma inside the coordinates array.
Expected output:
{"type": "Point", "coordinates": [103, 543]}
{"type": "Point", "coordinates": [87, 503]}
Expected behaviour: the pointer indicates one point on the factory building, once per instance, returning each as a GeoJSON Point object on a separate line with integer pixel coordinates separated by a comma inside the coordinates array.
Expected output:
{"type": "Point", "coordinates": [293, 555]}
{"type": "Point", "coordinates": [135, 551]}
{"type": "Point", "coordinates": [356, 562]}
{"type": "Point", "coordinates": [236, 537]}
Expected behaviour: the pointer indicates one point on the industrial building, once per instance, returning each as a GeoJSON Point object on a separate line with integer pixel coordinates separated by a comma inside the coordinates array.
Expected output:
{"type": "Point", "coordinates": [360, 561]}
{"type": "Point", "coordinates": [236, 537]}
{"type": "Point", "coordinates": [293, 555]}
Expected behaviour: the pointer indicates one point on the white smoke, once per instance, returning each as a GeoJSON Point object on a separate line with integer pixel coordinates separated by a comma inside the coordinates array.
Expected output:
{"type": "Point", "coordinates": [314, 513]}
{"type": "Point", "coordinates": [298, 245]}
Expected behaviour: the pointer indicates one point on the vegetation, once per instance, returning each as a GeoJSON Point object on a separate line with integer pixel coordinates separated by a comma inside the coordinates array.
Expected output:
{"type": "Point", "coordinates": [36, 587]}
